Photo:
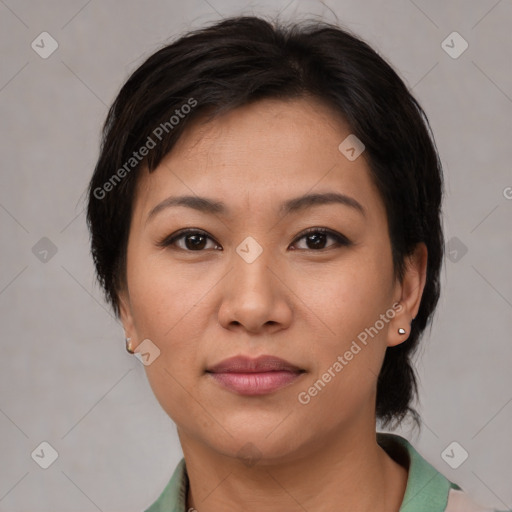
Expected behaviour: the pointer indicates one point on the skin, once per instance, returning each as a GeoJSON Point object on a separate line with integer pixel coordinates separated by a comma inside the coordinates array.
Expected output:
{"type": "Point", "coordinates": [301, 303]}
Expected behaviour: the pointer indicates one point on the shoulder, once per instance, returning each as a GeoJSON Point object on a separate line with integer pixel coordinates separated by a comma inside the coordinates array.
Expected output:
{"type": "Point", "coordinates": [459, 501]}
{"type": "Point", "coordinates": [428, 490]}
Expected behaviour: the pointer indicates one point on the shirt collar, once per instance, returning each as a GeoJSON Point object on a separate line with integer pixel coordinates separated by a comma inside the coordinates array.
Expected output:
{"type": "Point", "coordinates": [427, 489]}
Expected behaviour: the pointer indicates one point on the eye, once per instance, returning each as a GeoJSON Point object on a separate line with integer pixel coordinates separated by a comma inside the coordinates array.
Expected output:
{"type": "Point", "coordinates": [194, 240]}
{"type": "Point", "coordinates": [316, 238]}
{"type": "Point", "coordinates": [197, 240]}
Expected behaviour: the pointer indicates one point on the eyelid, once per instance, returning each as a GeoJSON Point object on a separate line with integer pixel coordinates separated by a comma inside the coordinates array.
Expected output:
{"type": "Point", "coordinates": [341, 240]}
{"type": "Point", "coordinates": [170, 240]}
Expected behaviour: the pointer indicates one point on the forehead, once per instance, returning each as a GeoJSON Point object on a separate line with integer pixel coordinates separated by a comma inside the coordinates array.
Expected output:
{"type": "Point", "coordinates": [257, 155]}
{"type": "Point", "coordinates": [265, 129]}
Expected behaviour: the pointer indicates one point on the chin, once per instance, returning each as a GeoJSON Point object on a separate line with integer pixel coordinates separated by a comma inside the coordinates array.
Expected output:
{"type": "Point", "coordinates": [258, 443]}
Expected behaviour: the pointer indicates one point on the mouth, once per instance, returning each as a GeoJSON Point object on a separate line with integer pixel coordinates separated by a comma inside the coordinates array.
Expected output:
{"type": "Point", "coordinates": [247, 376]}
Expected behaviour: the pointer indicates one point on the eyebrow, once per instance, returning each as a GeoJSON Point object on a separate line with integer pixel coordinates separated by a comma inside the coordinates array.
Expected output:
{"type": "Point", "coordinates": [206, 205]}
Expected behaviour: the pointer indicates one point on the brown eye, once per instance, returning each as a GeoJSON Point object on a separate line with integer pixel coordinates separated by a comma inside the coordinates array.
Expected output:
{"type": "Point", "coordinates": [193, 240]}
{"type": "Point", "coordinates": [316, 239]}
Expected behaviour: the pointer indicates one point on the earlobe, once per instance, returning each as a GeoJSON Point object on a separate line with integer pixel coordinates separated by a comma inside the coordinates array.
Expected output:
{"type": "Point", "coordinates": [410, 291]}
{"type": "Point", "coordinates": [399, 329]}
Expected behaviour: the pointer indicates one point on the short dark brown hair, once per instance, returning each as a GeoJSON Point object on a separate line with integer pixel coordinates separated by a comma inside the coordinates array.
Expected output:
{"type": "Point", "coordinates": [241, 60]}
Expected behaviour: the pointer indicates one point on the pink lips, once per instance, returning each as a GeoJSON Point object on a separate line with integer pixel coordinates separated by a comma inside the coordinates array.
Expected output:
{"type": "Point", "coordinates": [259, 376]}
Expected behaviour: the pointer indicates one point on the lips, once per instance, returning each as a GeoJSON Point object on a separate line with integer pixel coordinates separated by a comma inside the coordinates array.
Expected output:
{"type": "Point", "coordinates": [247, 376]}
{"type": "Point", "coordinates": [242, 364]}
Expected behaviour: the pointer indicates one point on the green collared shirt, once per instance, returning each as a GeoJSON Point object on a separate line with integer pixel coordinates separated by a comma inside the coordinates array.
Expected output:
{"type": "Point", "coordinates": [427, 490]}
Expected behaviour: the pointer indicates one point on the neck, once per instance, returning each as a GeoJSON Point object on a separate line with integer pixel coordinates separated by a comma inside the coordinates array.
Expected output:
{"type": "Point", "coordinates": [348, 473]}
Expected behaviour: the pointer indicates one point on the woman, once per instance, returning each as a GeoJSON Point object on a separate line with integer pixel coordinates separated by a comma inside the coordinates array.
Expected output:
{"type": "Point", "coordinates": [265, 217]}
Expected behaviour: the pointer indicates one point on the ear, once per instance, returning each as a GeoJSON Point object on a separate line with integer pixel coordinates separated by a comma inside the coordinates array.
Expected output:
{"type": "Point", "coordinates": [408, 294]}
{"type": "Point", "coordinates": [125, 313]}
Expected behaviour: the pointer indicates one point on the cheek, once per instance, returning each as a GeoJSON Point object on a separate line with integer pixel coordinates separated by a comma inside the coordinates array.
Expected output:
{"type": "Point", "coordinates": [163, 309]}
{"type": "Point", "coordinates": [166, 310]}
{"type": "Point", "coordinates": [334, 304]}
{"type": "Point", "coordinates": [348, 297]}
{"type": "Point", "coordinates": [348, 302]}
{"type": "Point", "coordinates": [163, 296]}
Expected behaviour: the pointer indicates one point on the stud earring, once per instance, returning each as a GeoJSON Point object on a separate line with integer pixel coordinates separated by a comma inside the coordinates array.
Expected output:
{"type": "Point", "coordinates": [129, 346]}
{"type": "Point", "coordinates": [401, 331]}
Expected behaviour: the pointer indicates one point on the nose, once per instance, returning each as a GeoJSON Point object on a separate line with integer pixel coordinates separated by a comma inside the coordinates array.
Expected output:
{"type": "Point", "coordinates": [255, 296]}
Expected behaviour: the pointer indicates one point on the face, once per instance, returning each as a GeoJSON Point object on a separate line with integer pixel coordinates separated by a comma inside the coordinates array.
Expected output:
{"type": "Point", "coordinates": [244, 277]}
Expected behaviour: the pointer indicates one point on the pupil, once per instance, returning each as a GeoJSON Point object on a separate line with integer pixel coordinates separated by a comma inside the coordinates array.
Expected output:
{"type": "Point", "coordinates": [196, 244]}
{"type": "Point", "coordinates": [316, 242]}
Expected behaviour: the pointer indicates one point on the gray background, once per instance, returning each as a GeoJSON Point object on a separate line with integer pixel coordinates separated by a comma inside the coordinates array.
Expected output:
{"type": "Point", "coordinates": [65, 377]}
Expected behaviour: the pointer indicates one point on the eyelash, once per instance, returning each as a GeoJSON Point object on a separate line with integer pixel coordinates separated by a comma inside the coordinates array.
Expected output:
{"type": "Point", "coordinates": [341, 240]}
